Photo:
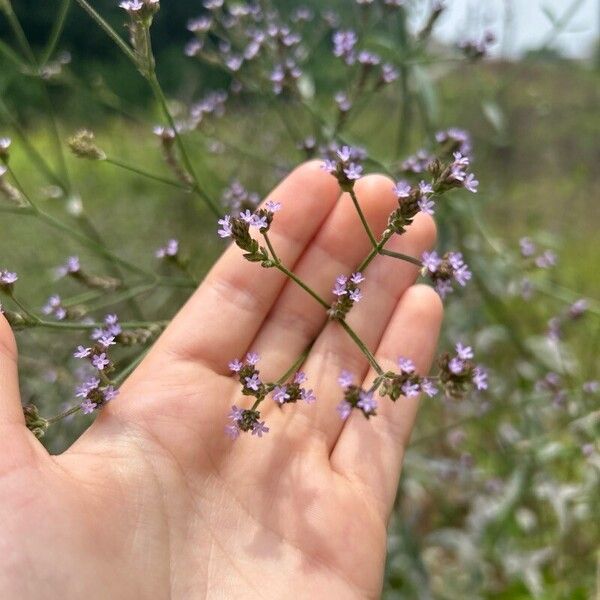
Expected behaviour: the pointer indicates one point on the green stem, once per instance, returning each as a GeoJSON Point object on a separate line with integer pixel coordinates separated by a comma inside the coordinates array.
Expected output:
{"type": "Point", "coordinates": [24, 308]}
{"type": "Point", "coordinates": [56, 32]}
{"type": "Point", "coordinates": [66, 325]}
{"type": "Point", "coordinates": [117, 163]}
{"type": "Point", "coordinates": [362, 347]}
{"type": "Point", "coordinates": [295, 365]}
{"type": "Point", "coordinates": [303, 285]}
{"type": "Point", "coordinates": [406, 257]}
{"type": "Point", "coordinates": [160, 96]}
{"type": "Point", "coordinates": [271, 249]}
{"type": "Point", "coordinates": [15, 25]}
{"type": "Point", "coordinates": [63, 415]}
{"type": "Point", "coordinates": [363, 218]}
{"type": "Point", "coordinates": [112, 34]}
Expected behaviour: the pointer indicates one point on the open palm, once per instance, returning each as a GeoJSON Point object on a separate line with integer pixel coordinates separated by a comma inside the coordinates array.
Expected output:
{"type": "Point", "coordinates": [154, 501]}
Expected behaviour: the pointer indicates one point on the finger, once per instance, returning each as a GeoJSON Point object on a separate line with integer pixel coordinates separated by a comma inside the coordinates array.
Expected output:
{"type": "Point", "coordinates": [342, 242]}
{"type": "Point", "coordinates": [225, 313]}
{"type": "Point", "coordinates": [370, 452]}
{"type": "Point", "coordinates": [386, 279]}
{"type": "Point", "coordinates": [11, 412]}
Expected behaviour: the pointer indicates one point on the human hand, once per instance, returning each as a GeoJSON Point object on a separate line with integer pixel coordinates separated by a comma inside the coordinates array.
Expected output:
{"type": "Point", "coordinates": [154, 501]}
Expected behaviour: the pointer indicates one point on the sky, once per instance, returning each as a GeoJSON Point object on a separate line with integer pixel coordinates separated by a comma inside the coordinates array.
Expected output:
{"type": "Point", "coordinates": [530, 26]}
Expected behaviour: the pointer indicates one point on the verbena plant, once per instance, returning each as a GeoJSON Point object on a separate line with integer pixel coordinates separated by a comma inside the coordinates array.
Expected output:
{"type": "Point", "coordinates": [375, 53]}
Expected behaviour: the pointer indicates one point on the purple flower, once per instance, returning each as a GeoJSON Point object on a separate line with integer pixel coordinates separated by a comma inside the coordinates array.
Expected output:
{"type": "Point", "coordinates": [110, 393]}
{"type": "Point", "coordinates": [431, 261]}
{"type": "Point", "coordinates": [87, 406]}
{"type": "Point", "coordinates": [340, 288]}
{"type": "Point", "coordinates": [425, 188]}
{"type": "Point", "coordinates": [8, 277]}
{"type": "Point", "coordinates": [578, 308]}
{"type": "Point", "coordinates": [353, 171]}
{"type": "Point", "coordinates": [111, 319]}
{"type": "Point", "coordinates": [427, 206]}
{"type": "Point", "coordinates": [410, 389]}
{"type": "Point", "coordinates": [546, 260]}
{"type": "Point", "coordinates": [225, 229]}
{"type": "Point", "coordinates": [355, 295]}
{"type": "Point", "coordinates": [300, 377]}
{"type": "Point", "coordinates": [406, 365]}
{"type": "Point", "coordinates": [329, 165]}
{"type": "Point", "coordinates": [86, 387]}
{"type": "Point", "coordinates": [367, 403]}
{"type": "Point", "coordinates": [260, 222]}
{"type": "Point", "coordinates": [259, 428]}
{"type": "Point", "coordinates": [272, 206]}
{"type": "Point", "coordinates": [169, 250]}
{"type": "Point", "coordinates": [308, 396]}
{"type": "Point", "coordinates": [346, 379]}
{"type": "Point", "coordinates": [456, 365]}
{"type": "Point", "coordinates": [464, 352]}
{"type": "Point", "coordinates": [82, 352]}
{"type": "Point", "coordinates": [236, 365]}
{"type": "Point", "coordinates": [344, 153]}
{"type": "Point", "coordinates": [591, 387]}
{"type": "Point", "coordinates": [480, 378]}
{"type": "Point", "coordinates": [527, 247]}
{"type": "Point", "coordinates": [429, 388]}
{"type": "Point", "coordinates": [471, 184]}
{"type": "Point", "coordinates": [252, 358]}
{"type": "Point", "coordinates": [344, 409]}
{"type": "Point", "coordinates": [106, 340]}
{"type": "Point", "coordinates": [462, 275]}
{"type": "Point", "coordinates": [343, 44]}
{"type": "Point", "coordinates": [100, 361]}
{"type": "Point", "coordinates": [253, 383]}
{"type": "Point", "coordinates": [280, 394]}
{"type": "Point", "coordinates": [247, 216]}
{"type": "Point", "coordinates": [402, 189]}
{"type": "Point", "coordinates": [236, 413]}
{"type": "Point", "coordinates": [72, 265]}
{"type": "Point", "coordinates": [357, 278]}
{"type": "Point", "coordinates": [389, 73]}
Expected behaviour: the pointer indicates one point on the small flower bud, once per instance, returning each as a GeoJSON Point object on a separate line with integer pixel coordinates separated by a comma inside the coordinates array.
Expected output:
{"type": "Point", "coordinates": [36, 424]}
{"type": "Point", "coordinates": [83, 145]}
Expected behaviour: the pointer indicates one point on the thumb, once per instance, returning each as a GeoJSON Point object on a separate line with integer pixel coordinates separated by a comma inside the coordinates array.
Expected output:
{"type": "Point", "coordinates": [11, 412]}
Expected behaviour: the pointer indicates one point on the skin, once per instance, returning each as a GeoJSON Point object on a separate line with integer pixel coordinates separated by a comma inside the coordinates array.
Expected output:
{"type": "Point", "coordinates": [154, 501]}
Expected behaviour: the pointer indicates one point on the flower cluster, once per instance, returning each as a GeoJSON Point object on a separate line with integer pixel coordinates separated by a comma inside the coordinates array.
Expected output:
{"type": "Point", "coordinates": [72, 268]}
{"type": "Point", "coordinates": [290, 393]}
{"type": "Point", "coordinates": [454, 140]}
{"type": "Point", "coordinates": [411, 200]}
{"type": "Point", "coordinates": [458, 372]}
{"type": "Point", "coordinates": [347, 294]}
{"type": "Point", "coordinates": [169, 251]}
{"type": "Point", "coordinates": [446, 270]}
{"type": "Point", "coordinates": [572, 313]}
{"type": "Point", "coordinates": [249, 377]}
{"type": "Point", "coordinates": [355, 398]}
{"type": "Point", "coordinates": [238, 199]}
{"type": "Point", "coordinates": [238, 228]}
{"type": "Point", "coordinates": [94, 395]}
{"type": "Point", "coordinates": [407, 382]}
{"type": "Point", "coordinates": [54, 306]}
{"type": "Point", "coordinates": [345, 166]}
{"type": "Point", "coordinates": [543, 260]}
{"type": "Point", "coordinates": [7, 280]}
